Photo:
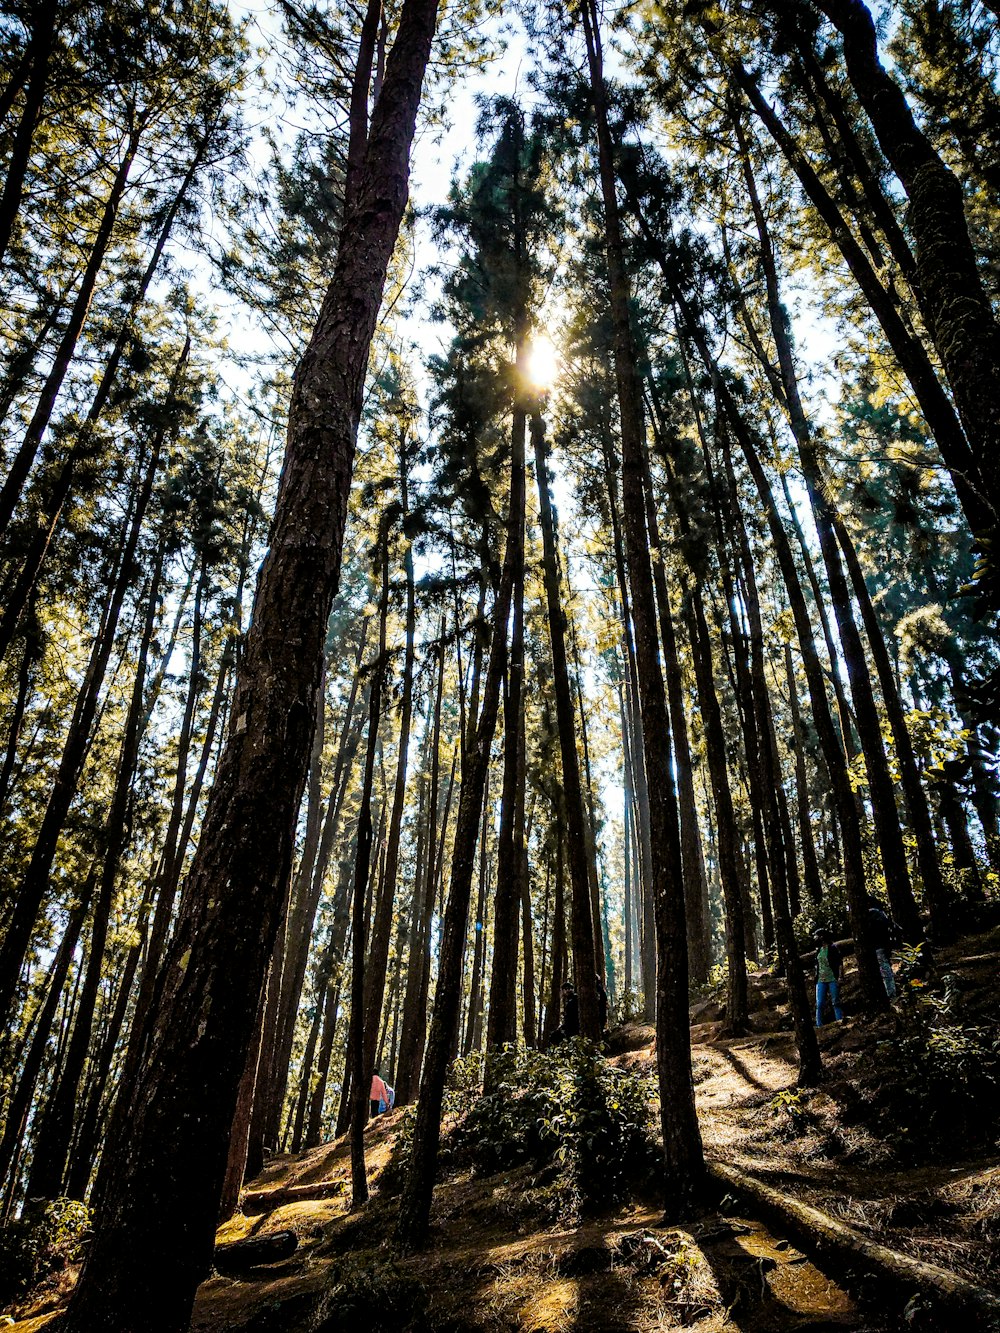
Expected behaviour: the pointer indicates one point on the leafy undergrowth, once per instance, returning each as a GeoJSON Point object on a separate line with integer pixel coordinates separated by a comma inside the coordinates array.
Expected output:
{"type": "Point", "coordinates": [36, 1250]}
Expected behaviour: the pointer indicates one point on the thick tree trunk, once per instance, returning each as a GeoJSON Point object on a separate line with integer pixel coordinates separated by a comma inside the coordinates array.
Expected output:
{"type": "Point", "coordinates": [179, 1107]}
{"type": "Point", "coordinates": [681, 1136]}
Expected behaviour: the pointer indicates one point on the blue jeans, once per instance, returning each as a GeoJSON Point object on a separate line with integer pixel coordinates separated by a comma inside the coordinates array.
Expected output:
{"type": "Point", "coordinates": [822, 989]}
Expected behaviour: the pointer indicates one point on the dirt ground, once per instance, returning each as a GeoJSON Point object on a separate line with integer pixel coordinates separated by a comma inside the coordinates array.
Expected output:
{"type": "Point", "coordinates": [494, 1265]}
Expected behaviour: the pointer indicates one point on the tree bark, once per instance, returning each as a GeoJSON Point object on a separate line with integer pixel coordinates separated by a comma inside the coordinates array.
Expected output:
{"type": "Point", "coordinates": [415, 1205]}
{"type": "Point", "coordinates": [917, 806]}
{"type": "Point", "coordinates": [582, 925]}
{"type": "Point", "coordinates": [35, 882]}
{"type": "Point", "coordinates": [44, 30]}
{"type": "Point", "coordinates": [810, 865]}
{"type": "Point", "coordinates": [907, 348]}
{"type": "Point", "coordinates": [681, 1136]}
{"type": "Point", "coordinates": [962, 322]}
{"type": "Point", "coordinates": [180, 1105]}
{"type": "Point", "coordinates": [22, 461]}
{"type": "Point", "coordinates": [501, 1026]}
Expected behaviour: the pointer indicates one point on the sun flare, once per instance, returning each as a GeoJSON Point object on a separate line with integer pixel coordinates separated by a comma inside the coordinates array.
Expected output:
{"type": "Point", "coordinates": [543, 362]}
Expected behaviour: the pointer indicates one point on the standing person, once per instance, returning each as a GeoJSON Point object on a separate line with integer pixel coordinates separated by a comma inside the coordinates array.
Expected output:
{"type": "Point", "coordinates": [379, 1095]}
{"type": "Point", "coordinates": [882, 933]}
{"type": "Point", "coordinates": [828, 963]}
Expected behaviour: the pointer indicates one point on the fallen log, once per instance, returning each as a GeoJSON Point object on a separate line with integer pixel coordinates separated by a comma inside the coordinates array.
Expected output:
{"type": "Point", "coordinates": [853, 1250]}
{"type": "Point", "coordinates": [238, 1256]}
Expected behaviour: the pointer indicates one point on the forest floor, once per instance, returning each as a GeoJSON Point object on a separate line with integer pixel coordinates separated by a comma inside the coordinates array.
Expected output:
{"type": "Point", "coordinates": [867, 1147]}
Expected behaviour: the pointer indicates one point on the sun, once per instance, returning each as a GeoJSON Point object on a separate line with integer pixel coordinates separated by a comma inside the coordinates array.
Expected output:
{"type": "Point", "coordinates": [543, 362]}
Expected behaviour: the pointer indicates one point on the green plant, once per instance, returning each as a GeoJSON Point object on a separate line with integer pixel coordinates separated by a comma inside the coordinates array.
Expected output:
{"type": "Point", "coordinates": [946, 1071]}
{"type": "Point", "coordinates": [789, 1100]}
{"type": "Point", "coordinates": [373, 1295]}
{"type": "Point", "coordinates": [38, 1244]}
{"type": "Point", "coordinates": [568, 1109]}
{"type": "Point", "coordinates": [629, 1008]}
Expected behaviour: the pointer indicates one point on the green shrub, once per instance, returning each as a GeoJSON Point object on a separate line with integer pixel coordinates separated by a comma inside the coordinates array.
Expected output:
{"type": "Point", "coordinates": [38, 1244]}
{"type": "Point", "coordinates": [946, 1070]}
{"type": "Point", "coordinates": [567, 1109]}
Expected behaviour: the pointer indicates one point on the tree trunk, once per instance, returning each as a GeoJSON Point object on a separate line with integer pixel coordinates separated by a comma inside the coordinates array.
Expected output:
{"type": "Point", "coordinates": [31, 1065]}
{"type": "Point", "coordinates": [22, 461]}
{"type": "Point", "coordinates": [810, 865]}
{"type": "Point", "coordinates": [960, 315]}
{"type": "Point", "coordinates": [361, 1076]}
{"type": "Point", "coordinates": [869, 733]}
{"type": "Point", "coordinates": [634, 759]}
{"type": "Point", "coordinates": [56, 498]}
{"type": "Point", "coordinates": [382, 926]}
{"type": "Point", "coordinates": [695, 884]}
{"type": "Point", "coordinates": [917, 806]}
{"type": "Point", "coordinates": [501, 1026]}
{"type": "Point", "coordinates": [474, 1024]}
{"type": "Point", "coordinates": [907, 348]}
{"type": "Point", "coordinates": [41, 43]}
{"type": "Point", "coordinates": [681, 1136]}
{"type": "Point", "coordinates": [54, 1133]}
{"type": "Point", "coordinates": [35, 882]}
{"type": "Point", "coordinates": [415, 1205]}
{"type": "Point", "coordinates": [415, 1002]}
{"type": "Point", "coordinates": [179, 1107]}
{"type": "Point", "coordinates": [558, 945]}
{"type": "Point", "coordinates": [581, 918]}
{"type": "Point", "coordinates": [731, 869]}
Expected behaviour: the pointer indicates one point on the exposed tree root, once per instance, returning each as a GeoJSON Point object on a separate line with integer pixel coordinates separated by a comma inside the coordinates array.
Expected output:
{"type": "Point", "coordinates": [833, 1238]}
